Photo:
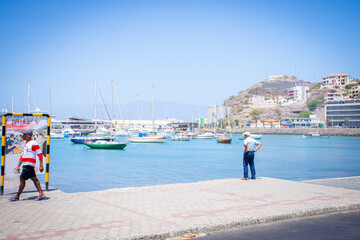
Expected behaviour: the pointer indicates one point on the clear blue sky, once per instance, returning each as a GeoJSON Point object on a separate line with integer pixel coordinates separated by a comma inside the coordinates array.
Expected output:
{"type": "Point", "coordinates": [193, 52]}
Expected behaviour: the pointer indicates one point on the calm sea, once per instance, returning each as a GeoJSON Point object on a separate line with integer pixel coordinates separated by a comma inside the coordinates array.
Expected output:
{"type": "Point", "coordinates": [76, 168]}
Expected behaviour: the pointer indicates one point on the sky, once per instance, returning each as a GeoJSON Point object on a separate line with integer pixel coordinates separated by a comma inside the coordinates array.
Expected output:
{"type": "Point", "coordinates": [193, 52]}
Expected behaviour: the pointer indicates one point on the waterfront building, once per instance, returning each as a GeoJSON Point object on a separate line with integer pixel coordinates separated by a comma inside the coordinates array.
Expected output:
{"type": "Point", "coordinates": [334, 95]}
{"type": "Point", "coordinates": [333, 80]}
{"type": "Point", "coordinates": [354, 92]}
{"type": "Point", "coordinates": [271, 124]}
{"type": "Point", "coordinates": [311, 122]}
{"type": "Point", "coordinates": [299, 93]}
{"type": "Point", "coordinates": [344, 113]}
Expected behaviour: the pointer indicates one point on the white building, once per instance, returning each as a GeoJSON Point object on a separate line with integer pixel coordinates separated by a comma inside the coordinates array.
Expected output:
{"type": "Point", "coordinates": [215, 113]}
{"type": "Point", "coordinates": [334, 95]}
{"type": "Point", "coordinates": [339, 80]}
{"type": "Point", "coordinates": [299, 93]}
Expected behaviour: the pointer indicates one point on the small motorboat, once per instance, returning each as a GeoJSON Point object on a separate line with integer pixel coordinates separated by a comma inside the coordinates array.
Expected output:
{"type": "Point", "coordinates": [106, 145]}
{"type": "Point", "coordinates": [314, 134]}
{"type": "Point", "coordinates": [254, 136]}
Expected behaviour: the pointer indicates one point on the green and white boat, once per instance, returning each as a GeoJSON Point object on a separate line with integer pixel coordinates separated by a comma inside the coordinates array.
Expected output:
{"type": "Point", "coordinates": [106, 145]}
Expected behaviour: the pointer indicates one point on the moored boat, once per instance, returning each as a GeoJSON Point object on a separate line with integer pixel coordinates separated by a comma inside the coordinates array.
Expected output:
{"type": "Point", "coordinates": [106, 145]}
{"type": "Point", "coordinates": [225, 138]}
{"type": "Point", "coordinates": [254, 136]}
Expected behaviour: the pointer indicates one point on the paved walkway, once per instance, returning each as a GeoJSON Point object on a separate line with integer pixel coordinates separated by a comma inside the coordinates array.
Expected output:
{"type": "Point", "coordinates": [167, 210]}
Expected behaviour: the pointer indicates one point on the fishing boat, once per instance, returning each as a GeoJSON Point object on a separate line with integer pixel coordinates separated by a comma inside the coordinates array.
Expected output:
{"type": "Point", "coordinates": [83, 140]}
{"type": "Point", "coordinates": [106, 145]}
{"type": "Point", "coordinates": [225, 138]}
{"type": "Point", "coordinates": [254, 136]}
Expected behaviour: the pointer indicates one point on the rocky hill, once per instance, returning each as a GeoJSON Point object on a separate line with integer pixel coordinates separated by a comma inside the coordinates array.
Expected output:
{"type": "Point", "coordinates": [266, 97]}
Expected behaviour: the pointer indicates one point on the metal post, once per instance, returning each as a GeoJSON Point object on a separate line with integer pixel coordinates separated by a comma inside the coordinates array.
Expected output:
{"type": "Point", "coordinates": [3, 149]}
{"type": "Point", "coordinates": [47, 154]}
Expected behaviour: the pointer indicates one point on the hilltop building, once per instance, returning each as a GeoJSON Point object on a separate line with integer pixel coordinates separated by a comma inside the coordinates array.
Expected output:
{"type": "Point", "coordinates": [345, 113]}
{"type": "Point", "coordinates": [334, 95]}
{"type": "Point", "coordinates": [299, 93]}
{"type": "Point", "coordinates": [333, 80]}
{"type": "Point", "coordinates": [354, 92]}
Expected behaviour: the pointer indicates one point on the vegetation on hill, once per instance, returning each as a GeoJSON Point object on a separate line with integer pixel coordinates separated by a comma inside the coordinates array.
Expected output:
{"type": "Point", "coordinates": [304, 114]}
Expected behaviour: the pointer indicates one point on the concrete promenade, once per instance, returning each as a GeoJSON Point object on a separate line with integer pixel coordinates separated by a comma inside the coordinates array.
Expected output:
{"type": "Point", "coordinates": [159, 212]}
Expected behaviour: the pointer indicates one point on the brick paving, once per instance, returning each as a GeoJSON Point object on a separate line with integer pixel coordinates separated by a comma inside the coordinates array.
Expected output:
{"type": "Point", "coordinates": [166, 210]}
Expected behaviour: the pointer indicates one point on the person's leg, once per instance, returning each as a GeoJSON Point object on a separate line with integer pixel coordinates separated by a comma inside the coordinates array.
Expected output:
{"type": "Point", "coordinates": [21, 188]}
{"type": "Point", "coordinates": [245, 165]}
{"type": "Point", "coordinates": [252, 165]}
{"type": "Point", "coordinates": [38, 186]}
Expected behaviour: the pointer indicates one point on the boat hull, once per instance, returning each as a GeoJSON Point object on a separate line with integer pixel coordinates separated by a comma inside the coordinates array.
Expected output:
{"type": "Point", "coordinates": [106, 146]}
{"type": "Point", "coordinates": [89, 140]}
{"type": "Point", "coordinates": [224, 140]}
{"type": "Point", "coordinates": [146, 140]}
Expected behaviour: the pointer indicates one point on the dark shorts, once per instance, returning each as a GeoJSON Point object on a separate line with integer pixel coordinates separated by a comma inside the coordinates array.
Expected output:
{"type": "Point", "coordinates": [27, 172]}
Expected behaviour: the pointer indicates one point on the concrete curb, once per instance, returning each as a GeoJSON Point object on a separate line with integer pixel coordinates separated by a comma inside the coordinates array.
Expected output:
{"type": "Point", "coordinates": [252, 221]}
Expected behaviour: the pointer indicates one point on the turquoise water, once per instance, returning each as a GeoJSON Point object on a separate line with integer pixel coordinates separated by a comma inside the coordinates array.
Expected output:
{"type": "Point", "coordinates": [76, 168]}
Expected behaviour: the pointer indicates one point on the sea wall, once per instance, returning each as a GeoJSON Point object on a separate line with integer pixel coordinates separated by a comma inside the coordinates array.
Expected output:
{"type": "Point", "coordinates": [300, 131]}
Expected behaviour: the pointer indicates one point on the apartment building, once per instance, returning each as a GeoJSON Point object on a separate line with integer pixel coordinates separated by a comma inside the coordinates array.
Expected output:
{"type": "Point", "coordinates": [345, 113]}
{"type": "Point", "coordinates": [339, 80]}
{"type": "Point", "coordinates": [299, 93]}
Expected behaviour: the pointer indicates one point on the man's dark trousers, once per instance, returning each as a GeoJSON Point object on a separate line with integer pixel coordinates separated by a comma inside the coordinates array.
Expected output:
{"type": "Point", "coordinates": [249, 160]}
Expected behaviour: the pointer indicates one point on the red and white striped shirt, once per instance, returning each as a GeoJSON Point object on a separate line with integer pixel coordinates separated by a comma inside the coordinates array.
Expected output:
{"type": "Point", "coordinates": [29, 152]}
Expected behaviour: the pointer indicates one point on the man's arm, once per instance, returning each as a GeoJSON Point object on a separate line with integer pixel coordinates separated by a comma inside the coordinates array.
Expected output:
{"type": "Point", "coordinates": [246, 150]}
{"type": "Point", "coordinates": [259, 145]}
{"type": "Point", "coordinates": [18, 166]}
{"type": "Point", "coordinates": [41, 168]}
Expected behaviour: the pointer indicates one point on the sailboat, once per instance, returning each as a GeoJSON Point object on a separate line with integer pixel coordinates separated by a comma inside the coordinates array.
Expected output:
{"type": "Point", "coordinates": [152, 137]}
{"type": "Point", "coordinates": [225, 138]}
{"type": "Point", "coordinates": [106, 144]}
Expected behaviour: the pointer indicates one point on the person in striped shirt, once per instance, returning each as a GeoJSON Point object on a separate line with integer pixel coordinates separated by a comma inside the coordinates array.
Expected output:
{"type": "Point", "coordinates": [30, 150]}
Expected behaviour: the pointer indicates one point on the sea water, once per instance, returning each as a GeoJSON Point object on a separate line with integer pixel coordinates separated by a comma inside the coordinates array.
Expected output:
{"type": "Point", "coordinates": [76, 168]}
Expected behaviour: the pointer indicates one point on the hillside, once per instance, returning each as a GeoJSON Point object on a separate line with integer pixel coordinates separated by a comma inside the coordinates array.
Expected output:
{"type": "Point", "coordinates": [266, 97]}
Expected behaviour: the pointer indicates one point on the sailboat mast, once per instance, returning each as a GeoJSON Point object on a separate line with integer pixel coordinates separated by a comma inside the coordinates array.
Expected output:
{"type": "Point", "coordinates": [153, 116]}
{"type": "Point", "coordinates": [12, 104]}
{"type": "Point", "coordinates": [28, 97]}
{"type": "Point", "coordinates": [95, 112]}
{"type": "Point", "coordinates": [95, 101]}
{"type": "Point", "coordinates": [137, 107]}
{"type": "Point", "coordinates": [112, 100]}
{"type": "Point", "coordinates": [226, 119]}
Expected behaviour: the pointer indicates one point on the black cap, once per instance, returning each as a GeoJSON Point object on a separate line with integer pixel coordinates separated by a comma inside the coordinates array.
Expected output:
{"type": "Point", "coordinates": [28, 132]}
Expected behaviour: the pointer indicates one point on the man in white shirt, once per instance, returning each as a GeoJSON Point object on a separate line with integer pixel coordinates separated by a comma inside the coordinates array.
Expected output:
{"type": "Point", "coordinates": [251, 146]}
{"type": "Point", "coordinates": [30, 151]}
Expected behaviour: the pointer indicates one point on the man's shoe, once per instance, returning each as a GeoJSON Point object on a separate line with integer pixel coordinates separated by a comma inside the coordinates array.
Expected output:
{"type": "Point", "coordinates": [253, 178]}
{"type": "Point", "coordinates": [245, 178]}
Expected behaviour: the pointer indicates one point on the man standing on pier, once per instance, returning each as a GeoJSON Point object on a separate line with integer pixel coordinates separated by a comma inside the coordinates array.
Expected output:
{"type": "Point", "coordinates": [251, 146]}
{"type": "Point", "coordinates": [30, 150]}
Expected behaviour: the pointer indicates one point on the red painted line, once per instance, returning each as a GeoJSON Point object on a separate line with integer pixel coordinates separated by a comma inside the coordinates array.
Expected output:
{"type": "Point", "coordinates": [135, 212]}
{"type": "Point", "coordinates": [58, 233]}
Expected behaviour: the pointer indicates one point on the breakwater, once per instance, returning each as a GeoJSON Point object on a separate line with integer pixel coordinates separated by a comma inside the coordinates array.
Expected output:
{"type": "Point", "coordinates": [301, 131]}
